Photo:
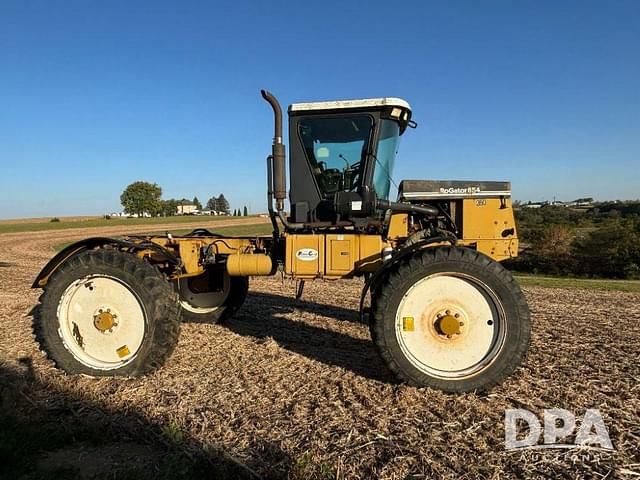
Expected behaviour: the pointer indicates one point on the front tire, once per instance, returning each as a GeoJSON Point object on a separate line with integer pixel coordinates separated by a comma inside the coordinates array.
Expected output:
{"type": "Point", "coordinates": [452, 319]}
{"type": "Point", "coordinates": [107, 313]}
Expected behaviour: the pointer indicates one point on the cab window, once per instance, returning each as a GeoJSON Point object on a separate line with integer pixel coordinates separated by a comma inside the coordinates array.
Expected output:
{"type": "Point", "coordinates": [335, 148]}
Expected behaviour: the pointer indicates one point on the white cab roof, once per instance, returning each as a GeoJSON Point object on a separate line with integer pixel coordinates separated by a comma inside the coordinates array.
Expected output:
{"type": "Point", "coordinates": [337, 104]}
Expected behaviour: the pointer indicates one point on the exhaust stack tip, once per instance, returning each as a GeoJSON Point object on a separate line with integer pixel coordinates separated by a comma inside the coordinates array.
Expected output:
{"type": "Point", "coordinates": [277, 113]}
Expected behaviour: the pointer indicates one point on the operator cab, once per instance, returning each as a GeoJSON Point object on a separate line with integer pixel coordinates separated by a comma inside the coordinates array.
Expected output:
{"type": "Point", "coordinates": [341, 157]}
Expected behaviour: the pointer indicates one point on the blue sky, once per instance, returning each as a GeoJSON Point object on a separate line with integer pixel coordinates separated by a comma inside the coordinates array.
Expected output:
{"type": "Point", "coordinates": [95, 95]}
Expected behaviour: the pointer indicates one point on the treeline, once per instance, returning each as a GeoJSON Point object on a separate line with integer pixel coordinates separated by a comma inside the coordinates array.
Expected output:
{"type": "Point", "coordinates": [603, 241]}
{"type": "Point", "coordinates": [241, 213]}
{"type": "Point", "coordinates": [145, 199]}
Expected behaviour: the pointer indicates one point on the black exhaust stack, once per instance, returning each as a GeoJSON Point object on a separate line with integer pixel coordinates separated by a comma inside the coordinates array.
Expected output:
{"type": "Point", "coordinates": [278, 179]}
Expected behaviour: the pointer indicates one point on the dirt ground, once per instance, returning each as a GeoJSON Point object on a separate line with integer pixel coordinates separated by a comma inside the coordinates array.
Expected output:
{"type": "Point", "coordinates": [295, 389]}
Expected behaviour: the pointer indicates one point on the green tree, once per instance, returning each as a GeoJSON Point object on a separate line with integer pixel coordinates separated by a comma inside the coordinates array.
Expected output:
{"type": "Point", "coordinates": [552, 250]}
{"type": "Point", "coordinates": [169, 207]}
{"type": "Point", "coordinates": [141, 197]}
{"type": "Point", "coordinates": [212, 204]}
{"type": "Point", "coordinates": [245, 212]}
{"type": "Point", "coordinates": [223, 204]}
{"type": "Point", "coordinates": [611, 251]}
{"type": "Point", "coordinates": [197, 203]}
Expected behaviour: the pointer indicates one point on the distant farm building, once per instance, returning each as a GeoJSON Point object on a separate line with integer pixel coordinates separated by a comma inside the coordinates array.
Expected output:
{"type": "Point", "coordinates": [186, 208]}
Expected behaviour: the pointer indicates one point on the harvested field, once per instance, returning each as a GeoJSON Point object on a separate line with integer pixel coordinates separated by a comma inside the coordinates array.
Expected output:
{"type": "Point", "coordinates": [295, 389]}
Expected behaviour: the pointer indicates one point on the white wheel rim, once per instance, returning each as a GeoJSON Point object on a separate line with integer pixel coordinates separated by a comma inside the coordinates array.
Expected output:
{"type": "Point", "coordinates": [205, 302]}
{"type": "Point", "coordinates": [479, 320]}
{"type": "Point", "coordinates": [92, 343]}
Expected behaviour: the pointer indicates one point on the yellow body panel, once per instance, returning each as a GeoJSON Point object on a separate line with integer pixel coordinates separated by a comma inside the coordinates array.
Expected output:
{"type": "Point", "coordinates": [370, 252]}
{"type": "Point", "coordinates": [398, 227]}
{"type": "Point", "coordinates": [498, 249]}
{"type": "Point", "coordinates": [486, 218]}
{"type": "Point", "coordinates": [488, 225]}
{"type": "Point", "coordinates": [304, 255]}
{"type": "Point", "coordinates": [332, 255]}
{"type": "Point", "coordinates": [190, 255]}
{"type": "Point", "coordinates": [341, 252]}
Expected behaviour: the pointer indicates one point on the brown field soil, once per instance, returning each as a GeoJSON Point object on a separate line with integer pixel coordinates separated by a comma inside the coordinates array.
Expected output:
{"type": "Point", "coordinates": [295, 389]}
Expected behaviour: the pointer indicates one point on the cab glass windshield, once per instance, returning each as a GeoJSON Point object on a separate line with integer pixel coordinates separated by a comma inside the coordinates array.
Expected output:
{"type": "Point", "coordinates": [387, 149]}
{"type": "Point", "coordinates": [336, 149]}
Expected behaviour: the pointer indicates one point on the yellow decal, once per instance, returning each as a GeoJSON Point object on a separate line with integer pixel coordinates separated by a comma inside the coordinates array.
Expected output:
{"type": "Point", "coordinates": [123, 351]}
{"type": "Point", "coordinates": [407, 324]}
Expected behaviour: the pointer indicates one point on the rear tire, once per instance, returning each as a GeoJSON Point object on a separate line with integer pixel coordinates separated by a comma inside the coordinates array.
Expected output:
{"type": "Point", "coordinates": [107, 313]}
{"type": "Point", "coordinates": [452, 319]}
{"type": "Point", "coordinates": [205, 299]}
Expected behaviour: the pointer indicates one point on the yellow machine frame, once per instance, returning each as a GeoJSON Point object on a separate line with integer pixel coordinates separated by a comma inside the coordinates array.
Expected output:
{"type": "Point", "coordinates": [488, 226]}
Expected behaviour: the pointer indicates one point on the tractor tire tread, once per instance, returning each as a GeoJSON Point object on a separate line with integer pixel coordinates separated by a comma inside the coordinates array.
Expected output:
{"type": "Point", "coordinates": [513, 352]}
{"type": "Point", "coordinates": [159, 299]}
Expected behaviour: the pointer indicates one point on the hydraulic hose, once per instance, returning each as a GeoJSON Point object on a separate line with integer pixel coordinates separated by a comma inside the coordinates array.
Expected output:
{"type": "Point", "coordinates": [407, 207]}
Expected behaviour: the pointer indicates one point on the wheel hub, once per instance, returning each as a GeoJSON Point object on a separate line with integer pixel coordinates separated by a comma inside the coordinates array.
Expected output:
{"type": "Point", "coordinates": [448, 323]}
{"type": "Point", "coordinates": [104, 320]}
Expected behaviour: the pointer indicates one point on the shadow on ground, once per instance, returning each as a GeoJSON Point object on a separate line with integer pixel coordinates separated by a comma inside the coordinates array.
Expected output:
{"type": "Point", "coordinates": [48, 433]}
{"type": "Point", "coordinates": [327, 346]}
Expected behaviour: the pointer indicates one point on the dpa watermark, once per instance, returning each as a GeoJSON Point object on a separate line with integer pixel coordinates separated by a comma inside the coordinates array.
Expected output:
{"type": "Point", "coordinates": [557, 424]}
